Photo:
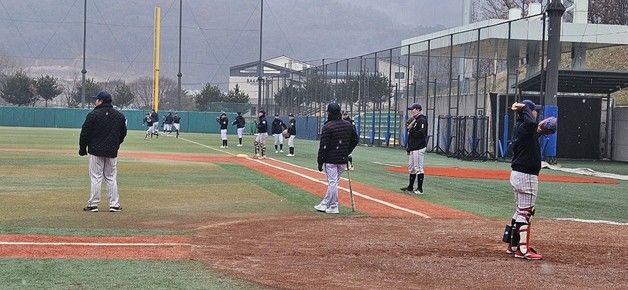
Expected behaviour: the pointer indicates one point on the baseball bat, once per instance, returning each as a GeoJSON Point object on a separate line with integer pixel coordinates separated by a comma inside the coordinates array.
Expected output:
{"type": "Point", "coordinates": [350, 189]}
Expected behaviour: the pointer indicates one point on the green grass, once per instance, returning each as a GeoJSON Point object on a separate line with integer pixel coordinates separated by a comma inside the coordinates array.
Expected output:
{"type": "Point", "coordinates": [112, 274]}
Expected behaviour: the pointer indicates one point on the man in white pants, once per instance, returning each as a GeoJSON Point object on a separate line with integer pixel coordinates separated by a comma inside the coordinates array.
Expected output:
{"type": "Point", "coordinates": [239, 123]}
{"type": "Point", "coordinates": [416, 146]}
{"type": "Point", "coordinates": [338, 139]}
{"type": "Point", "coordinates": [223, 121]}
{"type": "Point", "coordinates": [262, 134]}
{"type": "Point", "coordinates": [292, 131]}
{"type": "Point", "coordinates": [102, 133]}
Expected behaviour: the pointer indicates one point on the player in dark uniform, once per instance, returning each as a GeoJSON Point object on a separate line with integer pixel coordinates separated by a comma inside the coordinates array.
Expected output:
{"type": "Point", "coordinates": [239, 123]}
{"type": "Point", "coordinates": [292, 131]}
{"type": "Point", "coordinates": [168, 123]}
{"type": "Point", "coordinates": [224, 122]}
{"type": "Point", "coordinates": [149, 125]}
{"type": "Point", "coordinates": [338, 139]}
{"type": "Point", "coordinates": [524, 179]}
{"type": "Point", "coordinates": [155, 116]}
{"type": "Point", "coordinates": [176, 122]}
{"type": "Point", "coordinates": [416, 146]}
{"type": "Point", "coordinates": [277, 129]}
{"type": "Point", "coordinates": [262, 134]}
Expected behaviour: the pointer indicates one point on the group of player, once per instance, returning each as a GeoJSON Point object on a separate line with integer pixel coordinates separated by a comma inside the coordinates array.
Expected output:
{"type": "Point", "coordinates": [279, 130]}
{"type": "Point", "coordinates": [151, 120]}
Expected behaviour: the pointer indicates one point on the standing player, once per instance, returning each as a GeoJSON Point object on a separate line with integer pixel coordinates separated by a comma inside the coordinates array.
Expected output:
{"type": "Point", "coordinates": [292, 131]}
{"type": "Point", "coordinates": [149, 125]}
{"type": "Point", "coordinates": [168, 120]}
{"type": "Point", "coordinates": [262, 134]}
{"type": "Point", "coordinates": [224, 122]}
{"type": "Point", "coordinates": [524, 179]}
{"type": "Point", "coordinates": [338, 139]}
{"type": "Point", "coordinates": [277, 129]}
{"type": "Point", "coordinates": [102, 133]}
{"type": "Point", "coordinates": [239, 123]}
{"type": "Point", "coordinates": [176, 122]}
{"type": "Point", "coordinates": [155, 117]}
{"type": "Point", "coordinates": [417, 143]}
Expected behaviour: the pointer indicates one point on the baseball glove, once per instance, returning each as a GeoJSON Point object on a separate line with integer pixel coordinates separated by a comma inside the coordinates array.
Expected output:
{"type": "Point", "coordinates": [285, 133]}
{"type": "Point", "coordinates": [548, 126]}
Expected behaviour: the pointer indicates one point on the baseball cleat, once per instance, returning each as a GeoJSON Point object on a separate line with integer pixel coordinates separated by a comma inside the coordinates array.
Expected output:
{"type": "Point", "coordinates": [320, 207]}
{"type": "Point", "coordinates": [91, 208]}
{"type": "Point", "coordinates": [290, 155]}
{"type": "Point", "coordinates": [115, 208]}
{"type": "Point", "coordinates": [280, 151]}
{"type": "Point", "coordinates": [406, 190]}
{"type": "Point", "coordinates": [276, 151]}
{"type": "Point", "coordinates": [530, 255]}
{"type": "Point", "coordinates": [332, 209]}
{"type": "Point", "coordinates": [239, 145]}
{"type": "Point", "coordinates": [419, 192]}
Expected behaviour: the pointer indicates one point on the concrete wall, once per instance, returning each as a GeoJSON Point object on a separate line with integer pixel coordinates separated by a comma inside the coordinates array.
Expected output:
{"type": "Point", "coordinates": [620, 134]}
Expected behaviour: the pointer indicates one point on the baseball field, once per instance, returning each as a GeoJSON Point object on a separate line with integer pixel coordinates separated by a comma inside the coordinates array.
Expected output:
{"type": "Point", "coordinates": [200, 217]}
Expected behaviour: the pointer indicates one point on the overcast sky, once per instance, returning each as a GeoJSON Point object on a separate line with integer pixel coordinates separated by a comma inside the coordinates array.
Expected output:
{"type": "Point", "coordinates": [216, 34]}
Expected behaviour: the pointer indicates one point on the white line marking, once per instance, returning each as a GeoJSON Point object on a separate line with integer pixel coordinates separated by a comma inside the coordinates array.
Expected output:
{"type": "Point", "coordinates": [95, 244]}
{"type": "Point", "coordinates": [592, 221]}
{"type": "Point", "coordinates": [209, 147]}
{"type": "Point", "coordinates": [321, 182]}
{"type": "Point", "coordinates": [354, 192]}
{"type": "Point", "coordinates": [386, 164]}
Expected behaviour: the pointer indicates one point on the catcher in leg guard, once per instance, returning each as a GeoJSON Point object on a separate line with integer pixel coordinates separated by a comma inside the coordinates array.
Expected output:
{"type": "Point", "coordinates": [524, 179]}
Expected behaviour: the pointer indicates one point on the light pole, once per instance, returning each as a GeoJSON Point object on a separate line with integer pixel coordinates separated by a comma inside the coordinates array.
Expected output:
{"type": "Point", "coordinates": [179, 75]}
{"type": "Point", "coordinates": [259, 66]}
{"type": "Point", "coordinates": [84, 71]}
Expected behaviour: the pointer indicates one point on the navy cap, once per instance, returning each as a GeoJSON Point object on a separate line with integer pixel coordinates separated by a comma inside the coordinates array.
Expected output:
{"type": "Point", "coordinates": [530, 104]}
{"type": "Point", "coordinates": [103, 95]}
{"type": "Point", "coordinates": [276, 114]}
{"type": "Point", "coordinates": [290, 115]}
{"type": "Point", "coordinates": [415, 106]}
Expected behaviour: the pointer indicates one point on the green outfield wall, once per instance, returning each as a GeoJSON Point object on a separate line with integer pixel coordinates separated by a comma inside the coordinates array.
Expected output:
{"type": "Point", "coordinates": [196, 122]}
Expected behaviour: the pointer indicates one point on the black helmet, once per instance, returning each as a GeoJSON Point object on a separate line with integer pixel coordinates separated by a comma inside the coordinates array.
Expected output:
{"type": "Point", "coordinates": [333, 108]}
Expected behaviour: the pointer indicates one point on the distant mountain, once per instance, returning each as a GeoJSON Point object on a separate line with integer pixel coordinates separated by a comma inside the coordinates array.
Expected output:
{"type": "Point", "coordinates": [45, 36]}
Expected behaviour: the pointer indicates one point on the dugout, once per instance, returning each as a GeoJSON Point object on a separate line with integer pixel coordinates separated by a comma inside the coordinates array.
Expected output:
{"type": "Point", "coordinates": [585, 105]}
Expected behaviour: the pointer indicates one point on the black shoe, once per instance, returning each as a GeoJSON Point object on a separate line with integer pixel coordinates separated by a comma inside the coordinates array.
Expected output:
{"type": "Point", "coordinates": [407, 190]}
{"type": "Point", "coordinates": [91, 208]}
{"type": "Point", "coordinates": [115, 208]}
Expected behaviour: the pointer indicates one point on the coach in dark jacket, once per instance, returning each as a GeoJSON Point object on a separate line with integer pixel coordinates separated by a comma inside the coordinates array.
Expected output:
{"type": "Point", "coordinates": [338, 139]}
{"type": "Point", "coordinates": [417, 143]}
{"type": "Point", "coordinates": [102, 133]}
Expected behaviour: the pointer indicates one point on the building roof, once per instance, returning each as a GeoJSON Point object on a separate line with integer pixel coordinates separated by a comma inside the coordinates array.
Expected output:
{"type": "Point", "coordinates": [580, 81]}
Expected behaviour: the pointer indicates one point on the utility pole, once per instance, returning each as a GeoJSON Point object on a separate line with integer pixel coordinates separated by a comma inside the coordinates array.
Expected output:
{"type": "Point", "coordinates": [259, 66]}
{"type": "Point", "coordinates": [84, 71]}
{"type": "Point", "coordinates": [555, 11]}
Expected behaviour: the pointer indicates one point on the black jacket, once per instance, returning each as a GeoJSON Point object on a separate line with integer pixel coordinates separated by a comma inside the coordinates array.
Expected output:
{"type": "Point", "coordinates": [154, 116]}
{"type": "Point", "coordinates": [292, 127]}
{"type": "Point", "coordinates": [148, 120]}
{"type": "Point", "coordinates": [169, 119]}
{"type": "Point", "coordinates": [239, 122]}
{"type": "Point", "coordinates": [278, 126]}
{"type": "Point", "coordinates": [262, 126]}
{"type": "Point", "coordinates": [176, 119]}
{"type": "Point", "coordinates": [338, 139]}
{"type": "Point", "coordinates": [103, 131]}
{"type": "Point", "coordinates": [417, 133]}
{"type": "Point", "coordinates": [525, 146]}
{"type": "Point", "coordinates": [224, 122]}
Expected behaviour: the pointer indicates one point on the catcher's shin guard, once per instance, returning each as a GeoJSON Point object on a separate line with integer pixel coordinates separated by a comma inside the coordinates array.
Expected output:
{"type": "Point", "coordinates": [291, 150]}
{"type": "Point", "coordinates": [524, 250]}
{"type": "Point", "coordinates": [263, 149]}
{"type": "Point", "coordinates": [240, 141]}
{"type": "Point", "coordinates": [508, 237]}
{"type": "Point", "coordinates": [256, 147]}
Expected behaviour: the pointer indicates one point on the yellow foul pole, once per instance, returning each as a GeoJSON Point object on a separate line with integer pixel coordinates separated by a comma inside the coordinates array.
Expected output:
{"type": "Point", "coordinates": [156, 58]}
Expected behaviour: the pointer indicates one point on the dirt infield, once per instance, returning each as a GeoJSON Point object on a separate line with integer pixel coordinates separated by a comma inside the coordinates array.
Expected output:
{"type": "Point", "coordinates": [500, 174]}
{"type": "Point", "coordinates": [404, 253]}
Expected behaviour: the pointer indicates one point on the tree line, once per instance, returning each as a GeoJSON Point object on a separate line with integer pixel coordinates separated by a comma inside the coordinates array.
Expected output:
{"type": "Point", "coordinates": [22, 90]}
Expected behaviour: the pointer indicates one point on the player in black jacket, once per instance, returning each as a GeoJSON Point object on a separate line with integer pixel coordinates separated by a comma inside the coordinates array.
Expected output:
{"type": "Point", "coordinates": [239, 123]}
{"type": "Point", "coordinates": [102, 133]}
{"type": "Point", "coordinates": [415, 147]}
{"type": "Point", "coordinates": [277, 129]}
{"type": "Point", "coordinates": [155, 117]}
{"type": "Point", "coordinates": [176, 122]}
{"type": "Point", "coordinates": [292, 132]}
{"type": "Point", "coordinates": [524, 179]}
{"type": "Point", "coordinates": [338, 139]}
{"type": "Point", "coordinates": [149, 125]}
{"type": "Point", "coordinates": [262, 134]}
{"type": "Point", "coordinates": [224, 122]}
{"type": "Point", "coordinates": [168, 120]}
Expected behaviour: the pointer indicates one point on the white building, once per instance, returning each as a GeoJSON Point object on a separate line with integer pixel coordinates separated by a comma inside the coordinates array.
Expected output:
{"type": "Point", "coordinates": [245, 75]}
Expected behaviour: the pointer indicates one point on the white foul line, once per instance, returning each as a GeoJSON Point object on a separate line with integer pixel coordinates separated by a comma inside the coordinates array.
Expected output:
{"type": "Point", "coordinates": [321, 182]}
{"type": "Point", "coordinates": [592, 221]}
{"type": "Point", "coordinates": [95, 244]}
